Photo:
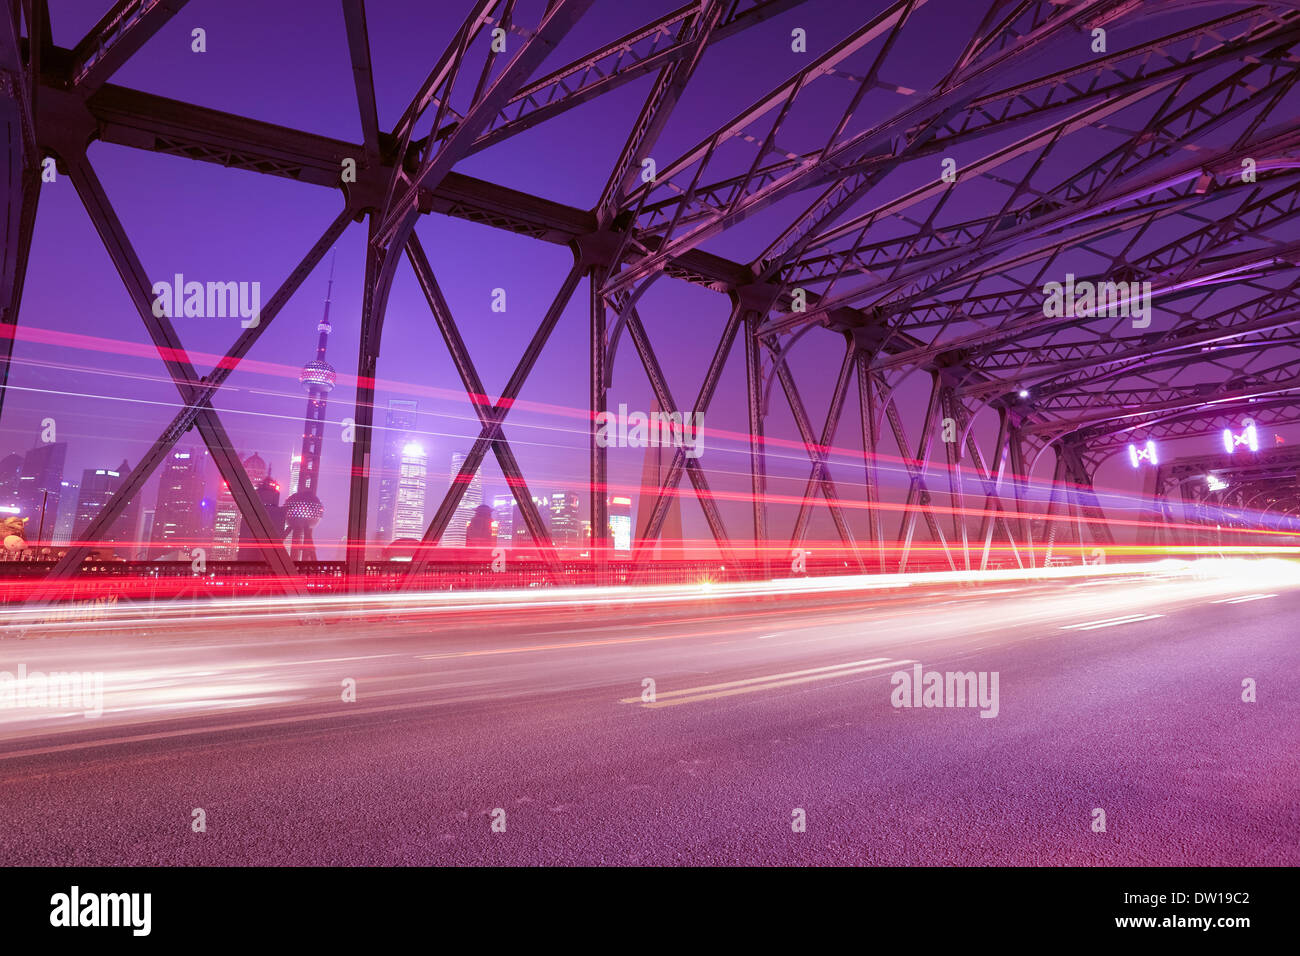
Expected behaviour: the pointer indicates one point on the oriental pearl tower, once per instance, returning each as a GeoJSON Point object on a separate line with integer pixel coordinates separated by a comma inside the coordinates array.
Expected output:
{"type": "Point", "coordinates": [303, 510]}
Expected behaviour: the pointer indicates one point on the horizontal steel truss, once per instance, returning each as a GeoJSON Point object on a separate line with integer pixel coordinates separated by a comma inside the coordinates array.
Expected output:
{"type": "Point", "coordinates": [58, 101]}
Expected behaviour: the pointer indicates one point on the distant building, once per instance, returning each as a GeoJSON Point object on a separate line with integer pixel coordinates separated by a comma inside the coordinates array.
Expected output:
{"type": "Point", "coordinates": [454, 536]}
{"type": "Point", "coordinates": [144, 533]}
{"type": "Point", "coordinates": [268, 492]}
{"type": "Point", "coordinates": [225, 528]}
{"type": "Point", "coordinates": [99, 486]}
{"type": "Point", "coordinates": [178, 521]}
{"type": "Point", "coordinates": [40, 489]}
{"type": "Point", "coordinates": [479, 532]}
{"type": "Point", "coordinates": [399, 431]}
{"type": "Point", "coordinates": [71, 491]}
{"type": "Point", "coordinates": [520, 537]}
{"type": "Point", "coordinates": [413, 480]}
{"type": "Point", "coordinates": [620, 522]}
{"type": "Point", "coordinates": [566, 522]}
{"type": "Point", "coordinates": [503, 513]}
{"type": "Point", "coordinates": [207, 520]}
{"type": "Point", "coordinates": [295, 468]}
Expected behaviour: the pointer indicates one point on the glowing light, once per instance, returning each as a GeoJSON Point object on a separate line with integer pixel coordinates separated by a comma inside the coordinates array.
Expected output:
{"type": "Point", "coordinates": [1215, 483]}
{"type": "Point", "coordinates": [1147, 453]}
{"type": "Point", "coordinates": [1024, 393]}
{"type": "Point", "coordinates": [413, 450]}
{"type": "Point", "coordinates": [1248, 437]}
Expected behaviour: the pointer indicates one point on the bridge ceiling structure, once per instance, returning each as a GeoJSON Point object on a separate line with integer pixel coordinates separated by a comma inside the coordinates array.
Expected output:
{"type": "Point", "coordinates": [1110, 141]}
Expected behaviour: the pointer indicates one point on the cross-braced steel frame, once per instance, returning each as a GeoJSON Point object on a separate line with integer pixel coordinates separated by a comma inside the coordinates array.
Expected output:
{"type": "Point", "coordinates": [1194, 190]}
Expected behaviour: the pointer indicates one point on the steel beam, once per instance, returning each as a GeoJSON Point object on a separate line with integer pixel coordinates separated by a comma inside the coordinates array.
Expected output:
{"type": "Point", "coordinates": [817, 451]}
{"type": "Point", "coordinates": [483, 408]}
{"type": "Point", "coordinates": [354, 18]}
{"type": "Point", "coordinates": [122, 31]}
{"type": "Point", "coordinates": [754, 389]}
{"type": "Point", "coordinates": [870, 423]}
{"type": "Point", "coordinates": [490, 432]}
{"type": "Point", "coordinates": [179, 367]}
{"type": "Point", "coordinates": [598, 382]}
{"type": "Point", "coordinates": [918, 495]}
{"type": "Point", "coordinates": [679, 463]}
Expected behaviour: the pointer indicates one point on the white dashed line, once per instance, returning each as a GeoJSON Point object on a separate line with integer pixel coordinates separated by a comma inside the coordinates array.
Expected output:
{"type": "Point", "coordinates": [1244, 598]}
{"type": "Point", "coordinates": [1110, 622]}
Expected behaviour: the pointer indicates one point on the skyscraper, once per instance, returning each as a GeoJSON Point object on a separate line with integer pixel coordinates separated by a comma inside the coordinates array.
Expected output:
{"type": "Point", "coordinates": [177, 520]}
{"type": "Point", "coordinates": [503, 512]}
{"type": "Point", "coordinates": [399, 431]}
{"type": "Point", "coordinates": [40, 489]}
{"type": "Point", "coordinates": [225, 529]}
{"type": "Point", "coordinates": [479, 533]}
{"type": "Point", "coordinates": [144, 533]}
{"type": "Point", "coordinates": [454, 536]}
{"type": "Point", "coordinates": [620, 522]}
{"type": "Point", "coordinates": [303, 509]}
{"type": "Point", "coordinates": [566, 521]}
{"type": "Point", "coordinates": [67, 516]}
{"type": "Point", "coordinates": [408, 507]}
{"type": "Point", "coordinates": [520, 537]}
{"type": "Point", "coordinates": [98, 487]}
{"type": "Point", "coordinates": [295, 467]}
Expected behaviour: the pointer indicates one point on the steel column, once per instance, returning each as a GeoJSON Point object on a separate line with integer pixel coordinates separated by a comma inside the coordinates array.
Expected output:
{"type": "Point", "coordinates": [869, 421]}
{"type": "Point", "coordinates": [599, 383]}
{"type": "Point", "coordinates": [754, 385]}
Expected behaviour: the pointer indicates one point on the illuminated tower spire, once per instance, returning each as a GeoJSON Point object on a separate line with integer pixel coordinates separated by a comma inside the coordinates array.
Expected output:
{"type": "Point", "coordinates": [303, 510]}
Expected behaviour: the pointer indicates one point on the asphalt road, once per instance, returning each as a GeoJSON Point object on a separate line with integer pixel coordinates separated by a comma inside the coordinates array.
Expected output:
{"type": "Point", "coordinates": [1121, 695]}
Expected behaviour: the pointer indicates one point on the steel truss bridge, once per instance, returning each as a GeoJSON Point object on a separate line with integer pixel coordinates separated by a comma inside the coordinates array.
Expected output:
{"type": "Point", "coordinates": [1224, 494]}
{"type": "Point", "coordinates": [879, 261]}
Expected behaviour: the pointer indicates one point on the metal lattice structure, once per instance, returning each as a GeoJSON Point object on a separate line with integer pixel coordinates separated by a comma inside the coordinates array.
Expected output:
{"type": "Point", "coordinates": [913, 264]}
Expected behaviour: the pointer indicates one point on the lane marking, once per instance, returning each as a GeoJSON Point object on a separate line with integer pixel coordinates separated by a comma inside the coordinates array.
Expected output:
{"type": "Point", "coordinates": [692, 695]}
{"type": "Point", "coordinates": [757, 680]}
{"type": "Point", "coordinates": [553, 647]}
{"type": "Point", "coordinates": [775, 684]}
{"type": "Point", "coordinates": [1105, 620]}
{"type": "Point", "coordinates": [1243, 599]}
{"type": "Point", "coordinates": [1111, 622]}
